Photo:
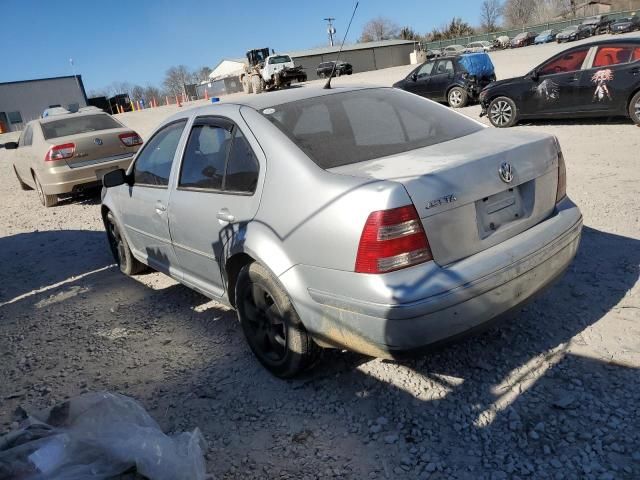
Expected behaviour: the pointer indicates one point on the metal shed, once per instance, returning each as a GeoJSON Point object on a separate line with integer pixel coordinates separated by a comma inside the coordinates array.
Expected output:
{"type": "Point", "coordinates": [25, 100]}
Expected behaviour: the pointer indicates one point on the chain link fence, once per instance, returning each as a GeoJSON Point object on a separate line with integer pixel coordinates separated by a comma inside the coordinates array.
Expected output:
{"type": "Point", "coordinates": [511, 33]}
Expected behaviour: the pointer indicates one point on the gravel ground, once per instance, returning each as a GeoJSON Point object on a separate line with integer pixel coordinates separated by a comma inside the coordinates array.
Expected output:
{"type": "Point", "coordinates": [552, 392]}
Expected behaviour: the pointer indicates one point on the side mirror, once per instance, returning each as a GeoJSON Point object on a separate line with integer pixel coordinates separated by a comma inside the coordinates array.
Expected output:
{"type": "Point", "coordinates": [11, 145]}
{"type": "Point", "coordinates": [414, 76]}
{"type": "Point", "coordinates": [114, 178]}
{"type": "Point", "coordinates": [534, 76]}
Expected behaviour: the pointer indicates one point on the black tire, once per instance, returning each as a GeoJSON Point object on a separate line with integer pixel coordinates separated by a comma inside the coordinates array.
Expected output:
{"type": "Point", "coordinates": [502, 112]}
{"type": "Point", "coordinates": [23, 186]}
{"type": "Point", "coordinates": [46, 200]}
{"type": "Point", "coordinates": [120, 250]}
{"type": "Point", "coordinates": [634, 108]}
{"type": "Point", "coordinates": [271, 325]}
{"type": "Point", "coordinates": [457, 97]}
{"type": "Point", "coordinates": [256, 84]}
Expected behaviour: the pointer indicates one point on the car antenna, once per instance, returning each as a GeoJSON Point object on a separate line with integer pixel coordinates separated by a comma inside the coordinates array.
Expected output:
{"type": "Point", "coordinates": [333, 70]}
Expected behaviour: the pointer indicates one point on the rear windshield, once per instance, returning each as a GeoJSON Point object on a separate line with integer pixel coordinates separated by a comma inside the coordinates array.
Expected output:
{"type": "Point", "coordinates": [350, 127]}
{"type": "Point", "coordinates": [76, 125]}
{"type": "Point", "coordinates": [280, 59]}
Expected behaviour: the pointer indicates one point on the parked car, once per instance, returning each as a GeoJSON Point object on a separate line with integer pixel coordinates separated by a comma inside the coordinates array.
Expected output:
{"type": "Point", "coordinates": [598, 79]}
{"type": "Point", "coordinates": [413, 234]}
{"type": "Point", "coordinates": [479, 47]}
{"type": "Point", "coordinates": [546, 36]}
{"type": "Point", "coordinates": [63, 154]}
{"type": "Point", "coordinates": [625, 25]}
{"type": "Point", "coordinates": [456, 80]}
{"type": "Point", "coordinates": [574, 32]}
{"type": "Point", "coordinates": [523, 39]}
{"type": "Point", "coordinates": [598, 24]}
{"type": "Point", "coordinates": [502, 42]}
{"type": "Point", "coordinates": [341, 68]}
{"type": "Point", "coordinates": [433, 53]}
{"type": "Point", "coordinates": [453, 50]}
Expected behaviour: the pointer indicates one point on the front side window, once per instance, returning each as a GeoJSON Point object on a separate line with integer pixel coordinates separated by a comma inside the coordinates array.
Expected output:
{"type": "Point", "coordinates": [612, 55]}
{"type": "Point", "coordinates": [425, 69]}
{"type": "Point", "coordinates": [153, 164]}
{"type": "Point", "coordinates": [567, 62]}
{"type": "Point", "coordinates": [359, 125]}
{"type": "Point", "coordinates": [205, 156]}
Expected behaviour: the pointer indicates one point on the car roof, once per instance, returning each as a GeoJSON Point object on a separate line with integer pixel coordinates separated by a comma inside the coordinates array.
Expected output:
{"type": "Point", "coordinates": [610, 41]}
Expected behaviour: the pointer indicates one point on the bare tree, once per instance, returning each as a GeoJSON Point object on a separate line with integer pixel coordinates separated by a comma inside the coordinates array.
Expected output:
{"type": "Point", "coordinates": [490, 13]}
{"type": "Point", "coordinates": [407, 33]}
{"type": "Point", "coordinates": [176, 78]}
{"type": "Point", "coordinates": [379, 28]}
{"type": "Point", "coordinates": [454, 29]}
{"type": "Point", "coordinates": [151, 92]}
{"type": "Point", "coordinates": [137, 93]}
{"type": "Point", "coordinates": [202, 74]}
{"type": "Point", "coordinates": [519, 12]}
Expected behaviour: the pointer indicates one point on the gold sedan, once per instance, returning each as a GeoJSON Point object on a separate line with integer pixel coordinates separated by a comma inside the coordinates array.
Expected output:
{"type": "Point", "coordinates": [68, 153]}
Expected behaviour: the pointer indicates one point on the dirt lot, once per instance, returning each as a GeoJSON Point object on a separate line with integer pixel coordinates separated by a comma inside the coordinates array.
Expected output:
{"type": "Point", "coordinates": [551, 393]}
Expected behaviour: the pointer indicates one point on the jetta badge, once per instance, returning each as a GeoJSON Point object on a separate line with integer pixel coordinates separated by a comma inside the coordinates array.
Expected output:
{"type": "Point", "coordinates": [506, 172]}
{"type": "Point", "coordinates": [97, 141]}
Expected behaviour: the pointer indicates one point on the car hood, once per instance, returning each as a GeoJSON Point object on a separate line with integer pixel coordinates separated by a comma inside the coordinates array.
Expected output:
{"type": "Point", "coordinates": [501, 83]}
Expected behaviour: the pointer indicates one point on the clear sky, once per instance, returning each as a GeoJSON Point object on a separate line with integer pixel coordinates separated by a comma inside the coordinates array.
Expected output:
{"type": "Point", "coordinates": [137, 40]}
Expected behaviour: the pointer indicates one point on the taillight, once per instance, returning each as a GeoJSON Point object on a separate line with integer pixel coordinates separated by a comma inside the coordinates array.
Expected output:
{"type": "Point", "coordinates": [130, 139]}
{"type": "Point", "coordinates": [60, 152]}
{"type": "Point", "coordinates": [391, 240]}
{"type": "Point", "coordinates": [562, 178]}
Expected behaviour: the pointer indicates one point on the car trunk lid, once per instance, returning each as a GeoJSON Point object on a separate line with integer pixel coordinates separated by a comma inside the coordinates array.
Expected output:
{"type": "Point", "coordinates": [464, 204]}
{"type": "Point", "coordinates": [96, 147]}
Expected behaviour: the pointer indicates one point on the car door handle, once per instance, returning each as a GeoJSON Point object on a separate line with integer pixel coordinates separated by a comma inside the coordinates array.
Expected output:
{"type": "Point", "coordinates": [225, 216]}
{"type": "Point", "coordinates": [160, 208]}
{"type": "Point", "coordinates": [634, 71]}
{"type": "Point", "coordinates": [575, 78]}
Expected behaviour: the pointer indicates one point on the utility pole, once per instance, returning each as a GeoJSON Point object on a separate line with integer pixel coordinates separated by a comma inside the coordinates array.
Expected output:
{"type": "Point", "coordinates": [330, 29]}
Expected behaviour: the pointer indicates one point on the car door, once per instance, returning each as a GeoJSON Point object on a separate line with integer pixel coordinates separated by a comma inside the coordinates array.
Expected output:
{"type": "Point", "coordinates": [417, 82]}
{"type": "Point", "coordinates": [613, 74]}
{"type": "Point", "coordinates": [440, 79]}
{"type": "Point", "coordinates": [215, 197]}
{"type": "Point", "coordinates": [554, 91]}
{"type": "Point", "coordinates": [143, 204]}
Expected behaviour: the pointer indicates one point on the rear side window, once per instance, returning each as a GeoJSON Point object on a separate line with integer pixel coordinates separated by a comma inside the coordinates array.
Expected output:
{"type": "Point", "coordinates": [612, 55]}
{"type": "Point", "coordinates": [568, 62]}
{"type": "Point", "coordinates": [444, 66]}
{"type": "Point", "coordinates": [205, 157]}
{"type": "Point", "coordinates": [153, 164]}
{"type": "Point", "coordinates": [77, 125]}
{"type": "Point", "coordinates": [360, 125]}
{"type": "Point", "coordinates": [242, 167]}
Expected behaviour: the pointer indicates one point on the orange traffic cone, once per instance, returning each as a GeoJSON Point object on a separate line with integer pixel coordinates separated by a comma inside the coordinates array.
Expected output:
{"type": "Point", "coordinates": [178, 101]}
{"type": "Point", "coordinates": [206, 94]}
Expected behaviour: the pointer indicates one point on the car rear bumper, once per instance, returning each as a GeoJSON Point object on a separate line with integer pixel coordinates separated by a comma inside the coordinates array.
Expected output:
{"type": "Point", "coordinates": [386, 317]}
{"type": "Point", "coordinates": [64, 179]}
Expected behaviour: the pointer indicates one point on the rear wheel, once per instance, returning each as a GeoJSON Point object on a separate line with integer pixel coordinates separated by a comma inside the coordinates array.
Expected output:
{"type": "Point", "coordinates": [46, 200]}
{"type": "Point", "coordinates": [503, 112]}
{"type": "Point", "coordinates": [271, 325]}
{"type": "Point", "coordinates": [256, 84]}
{"type": "Point", "coordinates": [458, 97]}
{"type": "Point", "coordinates": [120, 248]}
{"type": "Point", "coordinates": [23, 186]}
{"type": "Point", "coordinates": [634, 108]}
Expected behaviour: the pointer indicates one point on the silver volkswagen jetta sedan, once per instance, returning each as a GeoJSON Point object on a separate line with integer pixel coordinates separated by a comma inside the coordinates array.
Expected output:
{"type": "Point", "coordinates": [369, 219]}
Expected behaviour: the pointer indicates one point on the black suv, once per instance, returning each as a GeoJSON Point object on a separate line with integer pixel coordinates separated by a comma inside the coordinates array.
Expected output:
{"type": "Point", "coordinates": [342, 68]}
{"type": "Point", "coordinates": [599, 24]}
{"type": "Point", "coordinates": [598, 79]}
{"type": "Point", "coordinates": [446, 79]}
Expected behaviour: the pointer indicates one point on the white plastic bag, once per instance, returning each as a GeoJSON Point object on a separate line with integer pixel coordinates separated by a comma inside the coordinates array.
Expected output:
{"type": "Point", "coordinates": [98, 436]}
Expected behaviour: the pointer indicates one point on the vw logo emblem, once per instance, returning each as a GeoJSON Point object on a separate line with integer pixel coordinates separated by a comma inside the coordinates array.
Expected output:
{"type": "Point", "coordinates": [506, 172]}
{"type": "Point", "coordinates": [97, 141]}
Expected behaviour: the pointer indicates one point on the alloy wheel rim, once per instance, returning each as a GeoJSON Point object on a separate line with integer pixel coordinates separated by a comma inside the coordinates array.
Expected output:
{"type": "Point", "coordinates": [501, 112]}
{"type": "Point", "coordinates": [455, 97]}
{"type": "Point", "coordinates": [637, 107]}
{"type": "Point", "coordinates": [266, 325]}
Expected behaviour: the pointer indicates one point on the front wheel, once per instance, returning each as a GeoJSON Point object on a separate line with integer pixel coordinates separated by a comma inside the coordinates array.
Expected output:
{"type": "Point", "coordinates": [246, 86]}
{"type": "Point", "coordinates": [271, 325]}
{"type": "Point", "coordinates": [634, 108]}
{"type": "Point", "coordinates": [503, 112]}
{"type": "Point", "coordinates": [458, 97]}
{"type": "Point", "coordinates": [256, 84]}
{"type": "Point", "coordinates": [120, 250]}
